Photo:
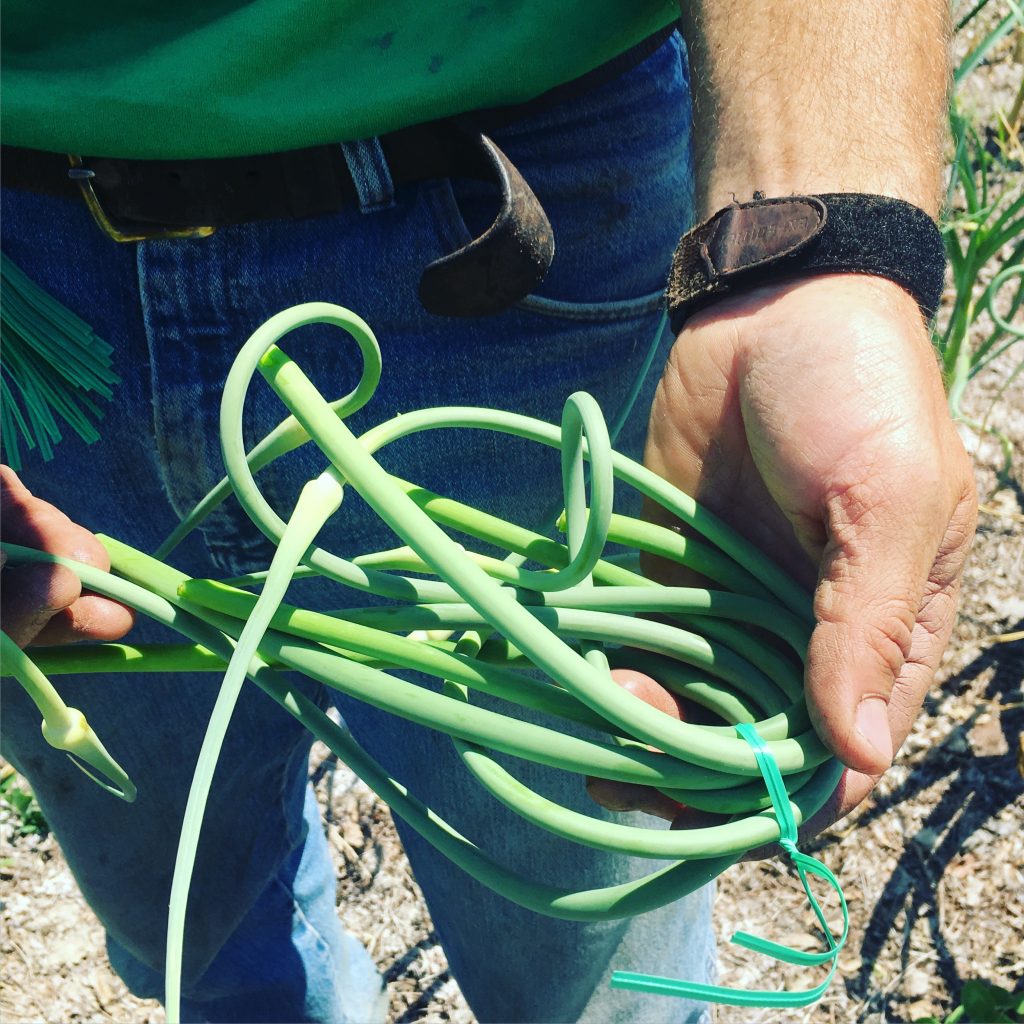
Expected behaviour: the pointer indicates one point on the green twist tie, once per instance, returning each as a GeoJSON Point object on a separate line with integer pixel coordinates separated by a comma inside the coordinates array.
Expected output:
{"type": "Point", "coordinates": [805, 865]}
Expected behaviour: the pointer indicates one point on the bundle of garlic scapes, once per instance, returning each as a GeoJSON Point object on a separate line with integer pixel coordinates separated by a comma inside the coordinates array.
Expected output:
{"type": "Point", "coordinates": [541, 638]}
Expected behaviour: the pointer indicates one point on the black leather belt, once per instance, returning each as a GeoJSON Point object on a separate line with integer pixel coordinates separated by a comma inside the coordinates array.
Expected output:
{"type": "Point", "coordinates": [139, 200]}
{"type": "Point", "coordinates": [143, 199]}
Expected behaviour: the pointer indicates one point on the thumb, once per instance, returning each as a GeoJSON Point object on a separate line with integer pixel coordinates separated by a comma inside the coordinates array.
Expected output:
{"type": "Point", "coordinates": [873, 574]}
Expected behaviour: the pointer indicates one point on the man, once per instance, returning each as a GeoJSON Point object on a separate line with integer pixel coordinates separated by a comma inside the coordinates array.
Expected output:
{"type": "Point", "coordinates": [805, 408]}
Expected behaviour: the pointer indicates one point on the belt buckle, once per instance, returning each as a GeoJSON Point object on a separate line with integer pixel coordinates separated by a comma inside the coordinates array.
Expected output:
{"type": "Point", "coordinates": [83, 176]}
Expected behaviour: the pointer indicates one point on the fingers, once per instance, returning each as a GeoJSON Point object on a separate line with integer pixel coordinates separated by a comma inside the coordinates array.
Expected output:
{"type": "Point", "coordinates": [852, 789]}
{"type": "Point", "coordinates": [91, 617]}
{"type": "Point", "coordinates": [648, 690]}
{"type": "Point", "coordinates": [45, 603]}
{"type": "Point", "coordinates": [626, 796]}
{"type": "Point", "coordinates": [32, 595]}
{"type": "Point", "coordinates": [885, 606]}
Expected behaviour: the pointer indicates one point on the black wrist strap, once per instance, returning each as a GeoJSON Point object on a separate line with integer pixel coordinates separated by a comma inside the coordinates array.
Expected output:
{"type": "Point", "coordinates": [748, 244]}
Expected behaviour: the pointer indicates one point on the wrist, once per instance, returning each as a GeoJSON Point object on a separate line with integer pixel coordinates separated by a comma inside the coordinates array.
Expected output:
{"type": "Point", "coordinates": [748, 244]}
{"type": "Point", "coordinates": [820, 328]}
{"type": "Point", "coordinates": [916, 183]}
{"type": "Point", "coordinates": [779, 301]}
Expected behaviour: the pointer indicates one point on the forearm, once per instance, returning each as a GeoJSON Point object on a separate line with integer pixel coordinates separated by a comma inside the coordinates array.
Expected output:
{"type": "Point", "coordinates": [798, 96]}
{"type": "Point", "coordinates": [809, 411]}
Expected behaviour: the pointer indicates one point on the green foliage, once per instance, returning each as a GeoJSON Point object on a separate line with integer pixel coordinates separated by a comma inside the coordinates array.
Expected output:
{"type": "Point", "coordinates": [1013, 17]}
{"type": "Point", "coordinates": [982, 1002]}
{"type": "Point", "coordinates": [28, 816]}
{"type": "Point", "coordinates": [984, 234]}
{"type": "Point", "coordinates": [55, 371]}
{"type": "Point", "coordinates": [984, 227]}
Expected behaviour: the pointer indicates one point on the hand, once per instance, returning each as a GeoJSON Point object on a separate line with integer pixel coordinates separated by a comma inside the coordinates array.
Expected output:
{"type": "Point", "coordinates": [811, 416]}
{"type": "Point", "coordinates": [45, 604]}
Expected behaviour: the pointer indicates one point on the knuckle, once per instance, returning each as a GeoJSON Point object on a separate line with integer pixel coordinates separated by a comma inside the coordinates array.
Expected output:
{"type": "Point", "coordinates": [88, 550]}
{"type": "Point", "coordinates": [938, 610]}
{"type": "Point", "coordinates": [877, 633]}
{"type": "Point", "coordinates": [890, 643]}
{"type": "Point", "coordinates": [965, 516]}
{"type": "Point", "coordinates": [60, 590]}
{"type": "Point", "coordinates": [53, 531]}
{"type": "Point", "coordinates": [853, 508]}
{"type": "Point", "coordinates": [11, 487]}
{"type": "Point", "coordinates": [911, 492]}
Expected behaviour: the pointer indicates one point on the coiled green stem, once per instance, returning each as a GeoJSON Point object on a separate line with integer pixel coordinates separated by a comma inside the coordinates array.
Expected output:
{"type": "Point", "coordinates": [540, 638]}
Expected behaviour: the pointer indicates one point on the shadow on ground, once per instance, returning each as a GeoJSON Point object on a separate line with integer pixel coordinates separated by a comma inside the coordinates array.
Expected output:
{"type": "Point", "coordinates": [979, 788]}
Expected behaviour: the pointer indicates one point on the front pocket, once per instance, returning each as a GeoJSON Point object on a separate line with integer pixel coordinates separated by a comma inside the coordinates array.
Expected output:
{"type": "Point", "coordinates": [612, 169]}
{"type": "Point", "coordinates": [455, 234]}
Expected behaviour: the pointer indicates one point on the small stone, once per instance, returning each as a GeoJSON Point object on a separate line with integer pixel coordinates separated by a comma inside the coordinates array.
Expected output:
{"type": "Point", "coordinates": [987, 737]}
{"type": "Point", "coordinates": [72, 947]}
{"type": "Point", "coordinates": [916, 983]}
{"type": "Point", "coordinates": [104, 988]}
{"type": "Point", "coordinates": [352, 833]}
{"type": "Point", "coordinates": [974, 890]}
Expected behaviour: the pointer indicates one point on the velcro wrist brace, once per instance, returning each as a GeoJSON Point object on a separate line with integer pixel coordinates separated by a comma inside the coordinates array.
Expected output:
{"type": "Point", "coordinates": [749, 244]}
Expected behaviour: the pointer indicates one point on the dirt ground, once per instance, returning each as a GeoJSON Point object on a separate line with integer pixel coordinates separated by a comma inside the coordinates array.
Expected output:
{"type": "Point", "coordinates": [932, 865]}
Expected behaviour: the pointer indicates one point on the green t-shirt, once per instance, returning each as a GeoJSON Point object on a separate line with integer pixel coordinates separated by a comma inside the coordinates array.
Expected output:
{"type": "Point", "coordinates": [194, 78]}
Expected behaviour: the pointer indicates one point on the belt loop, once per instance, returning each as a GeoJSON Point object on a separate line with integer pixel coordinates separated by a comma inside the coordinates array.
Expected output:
{"type": "Point", "coordinates": [369, 169]}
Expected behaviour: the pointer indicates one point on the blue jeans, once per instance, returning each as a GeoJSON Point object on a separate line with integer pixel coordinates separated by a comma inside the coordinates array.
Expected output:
{"type": "Point", "coordinates": [612, 169]}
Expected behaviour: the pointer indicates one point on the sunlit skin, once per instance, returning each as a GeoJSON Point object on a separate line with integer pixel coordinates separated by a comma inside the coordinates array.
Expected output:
{"type": "Point", "coordinates": [811, 416]}
{"type": "Point", "coordinates": [44, 604]}
{"type": "Point", "coordinates": [810, 413]}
